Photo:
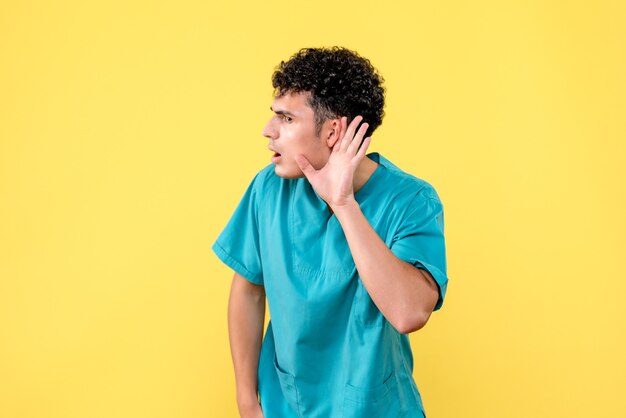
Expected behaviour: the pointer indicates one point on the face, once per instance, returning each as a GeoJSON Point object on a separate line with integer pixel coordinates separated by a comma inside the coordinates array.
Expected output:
{"type": "Point", "coordinates": [291, 131]}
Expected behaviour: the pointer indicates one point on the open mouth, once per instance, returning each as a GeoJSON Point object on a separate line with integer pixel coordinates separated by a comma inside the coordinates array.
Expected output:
{"type": "Point", "coordinates": [275, 158]}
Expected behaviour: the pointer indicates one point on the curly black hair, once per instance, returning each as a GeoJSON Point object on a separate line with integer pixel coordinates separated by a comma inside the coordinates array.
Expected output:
{"type": "Point", "coordinates": [340, 83]}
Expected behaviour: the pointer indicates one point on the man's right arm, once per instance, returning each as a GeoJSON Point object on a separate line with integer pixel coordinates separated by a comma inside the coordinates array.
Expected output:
{"type": "Point", "coordinates": [246, 318]}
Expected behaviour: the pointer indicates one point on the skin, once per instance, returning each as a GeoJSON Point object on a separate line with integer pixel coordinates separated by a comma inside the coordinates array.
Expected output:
{"type": "Point", "coordinates": [291, 132]}
{"type": "Point", "coordinates": [336, 168]}
{"type": "Point", "coordinates": [246, 318]}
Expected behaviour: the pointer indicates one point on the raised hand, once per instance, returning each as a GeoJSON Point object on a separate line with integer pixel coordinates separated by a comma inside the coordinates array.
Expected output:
{"type": "Point", "coordinates": [334, 181]}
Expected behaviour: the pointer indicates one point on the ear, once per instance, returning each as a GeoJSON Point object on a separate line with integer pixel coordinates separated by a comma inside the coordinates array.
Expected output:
{"type": "Point", "coordinates": [332, 131]}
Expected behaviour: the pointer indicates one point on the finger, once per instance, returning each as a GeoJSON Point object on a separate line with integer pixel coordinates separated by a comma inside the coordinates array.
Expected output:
{"type": "Point", "coordinates": [305, 166]}
{"type": "Point", "coordinates": [356, 142]}
{"type": "Point", "coordinates": [363, 150]}
{"type": "Point", "coordinates": [347, 138]}
{"type": "Point", "coordinates": [336, 146]}
{"type": "Point", "coordinates": [342, 130]}
{"type": "Point", "coordinates": [342, 126]}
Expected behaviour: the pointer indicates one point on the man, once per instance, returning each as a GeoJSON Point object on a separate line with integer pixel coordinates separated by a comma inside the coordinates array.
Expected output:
{"type": "Point", "coordinates": [347, 248]}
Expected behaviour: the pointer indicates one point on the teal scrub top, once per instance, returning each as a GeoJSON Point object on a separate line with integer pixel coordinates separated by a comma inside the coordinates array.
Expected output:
{"type": "Point", "coordinates": [328, 351]}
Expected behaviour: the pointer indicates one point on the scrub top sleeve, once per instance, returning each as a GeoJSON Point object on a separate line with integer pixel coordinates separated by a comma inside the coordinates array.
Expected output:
{"type": "Point", "coordinates": [420, 240]}
{"type": "Point", "coordinates": [238, 244]}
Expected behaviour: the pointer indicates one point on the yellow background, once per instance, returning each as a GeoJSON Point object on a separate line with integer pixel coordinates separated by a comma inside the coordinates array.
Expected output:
{"type": "Point", "coordinates": [129, 131]}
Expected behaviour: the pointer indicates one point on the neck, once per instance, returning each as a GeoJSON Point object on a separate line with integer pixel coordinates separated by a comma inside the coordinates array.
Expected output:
{"type": "Point", "coordinates": [363, 172]}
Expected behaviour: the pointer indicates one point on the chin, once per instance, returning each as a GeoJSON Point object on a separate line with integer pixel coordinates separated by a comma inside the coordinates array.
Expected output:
{"type": "Point", "coordinates": [288, 174]}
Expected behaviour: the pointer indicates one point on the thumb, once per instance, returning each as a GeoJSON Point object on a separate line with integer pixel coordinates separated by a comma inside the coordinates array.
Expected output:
{"type": "Point", "coordinates": [304, 165]}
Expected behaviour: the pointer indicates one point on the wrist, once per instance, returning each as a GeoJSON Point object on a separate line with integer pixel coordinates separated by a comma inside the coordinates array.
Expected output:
{"type": "Point", "coordinates": [345, 209]}
{"type": "Point", "coordinates": [250, 410]}
{"type": "Point", "coordinates": [247, 399]}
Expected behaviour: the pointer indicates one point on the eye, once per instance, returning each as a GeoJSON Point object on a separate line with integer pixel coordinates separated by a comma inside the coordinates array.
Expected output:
{"type": "Point", "coordinates": [287, 118]}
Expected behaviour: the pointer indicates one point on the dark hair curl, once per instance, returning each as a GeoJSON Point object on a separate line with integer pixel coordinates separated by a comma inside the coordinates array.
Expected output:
{"type": "Point", "coordinates": [340, 83]}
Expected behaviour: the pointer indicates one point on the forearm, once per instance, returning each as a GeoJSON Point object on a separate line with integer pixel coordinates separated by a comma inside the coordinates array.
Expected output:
{"type": "Point", "coordinates": [246, 317]}
{"type": "Point", "coordinates": [404, 294]}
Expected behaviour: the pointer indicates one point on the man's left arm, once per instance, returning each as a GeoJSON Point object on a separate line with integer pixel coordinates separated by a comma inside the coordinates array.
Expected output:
{"type": "Point", "coordinates": [404, 294]}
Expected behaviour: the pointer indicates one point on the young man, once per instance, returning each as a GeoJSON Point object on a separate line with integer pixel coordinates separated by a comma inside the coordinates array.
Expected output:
{"type": "Point", "coordinates": [348, 249]}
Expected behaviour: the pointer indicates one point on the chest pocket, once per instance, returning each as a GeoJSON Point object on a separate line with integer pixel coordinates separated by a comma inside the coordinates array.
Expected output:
{"type": "Point", "coordinates": [318, 243]}
{"type": "Point", "coordinates": [322, 249]}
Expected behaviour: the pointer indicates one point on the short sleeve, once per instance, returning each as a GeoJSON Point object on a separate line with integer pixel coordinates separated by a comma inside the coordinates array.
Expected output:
{"type": "Point", "coordinates": [420, 239]}
{"type": "Point", "coordinates": [238, 243]}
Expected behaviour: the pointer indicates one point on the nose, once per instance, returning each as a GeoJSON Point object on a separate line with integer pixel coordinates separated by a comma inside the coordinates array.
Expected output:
{"type": "Point", "coordinates": [270, 131]}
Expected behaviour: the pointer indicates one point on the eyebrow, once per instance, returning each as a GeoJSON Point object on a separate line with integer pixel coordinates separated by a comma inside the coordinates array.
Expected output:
{"type": "Point", "coordinates": [282, 112]}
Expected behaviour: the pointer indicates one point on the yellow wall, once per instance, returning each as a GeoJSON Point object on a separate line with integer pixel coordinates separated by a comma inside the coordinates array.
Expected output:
{"type": "Point", "coordinates": [129, 131]}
